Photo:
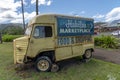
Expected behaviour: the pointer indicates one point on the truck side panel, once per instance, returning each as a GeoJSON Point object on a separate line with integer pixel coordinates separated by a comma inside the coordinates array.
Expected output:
{"type": "Point", "coordinates": [75, 34]}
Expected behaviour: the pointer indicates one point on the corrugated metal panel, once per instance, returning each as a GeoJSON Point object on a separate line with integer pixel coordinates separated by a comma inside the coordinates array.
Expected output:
{"type": "Point", "coordinates": [20, 48]}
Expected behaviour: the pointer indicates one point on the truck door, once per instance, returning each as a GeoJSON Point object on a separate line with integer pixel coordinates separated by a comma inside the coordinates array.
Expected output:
{"type": "Point", "coordinates": [42, 39]}
{"type": "Point", "coordinates": [77, 47]}
{"type": "Point", "coordinates": [64, 49]}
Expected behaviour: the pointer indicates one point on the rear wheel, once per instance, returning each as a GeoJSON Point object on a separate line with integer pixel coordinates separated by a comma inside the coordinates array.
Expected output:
{"type": "Point", "coordinates": [88, 54]}
{"type": "Point", "coordinates": [43, 64]}
{"type": "Point", "coordinates": [55, 67]}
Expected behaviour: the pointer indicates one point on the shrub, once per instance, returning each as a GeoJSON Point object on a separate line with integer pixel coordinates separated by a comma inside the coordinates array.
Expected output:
{"type": "Point", "coordinates": [118, 42]}
{"type": "Point", "coordinates": [9, 38]}
{"type": "Point", "coordinates": [106, 41]}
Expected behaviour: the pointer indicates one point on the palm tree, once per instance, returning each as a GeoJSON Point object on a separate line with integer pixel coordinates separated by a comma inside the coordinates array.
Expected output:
{"type": "Point", "coordinates": [23, 14]}
{"type": "Point", "coordinates": [36, 7]}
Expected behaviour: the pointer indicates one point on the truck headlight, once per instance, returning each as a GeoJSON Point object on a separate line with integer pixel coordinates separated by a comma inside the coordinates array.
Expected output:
{"type": "Point", "coordinates": [18, 47]}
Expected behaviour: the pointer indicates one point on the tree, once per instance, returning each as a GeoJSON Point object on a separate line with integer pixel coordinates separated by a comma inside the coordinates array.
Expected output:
{"type": "Point", "coordinates": [13, 30]}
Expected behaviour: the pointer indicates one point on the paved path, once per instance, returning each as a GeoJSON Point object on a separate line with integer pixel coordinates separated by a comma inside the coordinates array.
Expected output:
{"type": "Point", "coordinates": [107, 55]}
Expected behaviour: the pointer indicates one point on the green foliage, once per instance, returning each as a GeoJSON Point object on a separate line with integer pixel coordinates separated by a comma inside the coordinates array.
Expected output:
{"type": "Point", "coordinates": [106, 41]}
{"type": "Point", "coordinates": [9, 38]}
{"type": "Point", "coordinates": [118, 42]}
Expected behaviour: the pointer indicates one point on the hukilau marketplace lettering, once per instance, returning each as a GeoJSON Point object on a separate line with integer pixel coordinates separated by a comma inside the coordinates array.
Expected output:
{"type": "Point", "coordinates": [74, 30]}
{"type": "Point", "coordinates": [74, 27]}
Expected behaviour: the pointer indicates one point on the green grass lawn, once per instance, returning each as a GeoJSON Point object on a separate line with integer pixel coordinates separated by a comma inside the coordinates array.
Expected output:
{"type": "Point", "coordinates": [71, 69]}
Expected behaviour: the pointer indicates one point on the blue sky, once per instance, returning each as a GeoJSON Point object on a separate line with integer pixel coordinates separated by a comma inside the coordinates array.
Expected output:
{"type": "Point", "coordinates": [100, 10]}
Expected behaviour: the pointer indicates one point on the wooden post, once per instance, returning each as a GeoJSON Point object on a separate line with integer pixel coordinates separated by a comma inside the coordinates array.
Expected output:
{"type": "Point", "coordinates": [23, 14]}
{"type": "Point", "coordinates": [37, 7]}
{"type": "Point", "coordinates": [1, 38]}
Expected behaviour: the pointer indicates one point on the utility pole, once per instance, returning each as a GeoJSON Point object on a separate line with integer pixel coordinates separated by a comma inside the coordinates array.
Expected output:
{"type": "Point", "coordinates": [23, 14]}
{"type": "Point", "coordinates": [37, 7]}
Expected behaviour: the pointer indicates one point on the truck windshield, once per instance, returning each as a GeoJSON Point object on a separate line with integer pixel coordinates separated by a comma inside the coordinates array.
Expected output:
{"type": "Point", "coordinates": [28, 31]}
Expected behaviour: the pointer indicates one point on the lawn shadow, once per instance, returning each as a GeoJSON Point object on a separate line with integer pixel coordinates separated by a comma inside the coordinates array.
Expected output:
{"type": "Point", "coordinates": [28, 70]}
{"type": "Point", "coordinates": [66, 64]}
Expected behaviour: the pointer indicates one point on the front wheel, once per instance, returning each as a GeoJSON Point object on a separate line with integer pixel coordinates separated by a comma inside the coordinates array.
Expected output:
{"type": "Point", "coordinates": [43, 64]}
{"type": "Point", "coordinates": [87, 54]}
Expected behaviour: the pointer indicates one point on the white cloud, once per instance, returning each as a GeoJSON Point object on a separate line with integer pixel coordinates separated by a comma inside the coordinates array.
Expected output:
{"type": "Point", "coordinates": [114, 14]}
{"type": "Point", "coordinates": [8, 12]}
{"type": "Point", "coordinates": [18, 18]}
{"type": "Point", "coordinates": [9, 5]}
{"type": "Point", "coordinates": [73, 13]}
{"type": "Point", "coordinates": [98, 16]}
{"type": "Point", "coordinates": [49, 2]}
{"type": "Point", "coordinates": [28, 16]}
{"type": "Point", "coordinates": [42, 2]}
{"type": "Point", "coordinates": [77, 13]}
{"type": "Point", "coordinates": [82, 12]}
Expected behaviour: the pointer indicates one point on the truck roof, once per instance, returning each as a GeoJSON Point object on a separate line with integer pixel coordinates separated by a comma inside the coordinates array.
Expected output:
{"type": "Point", "coordinates": [50, 18]}
{"type": "Point", "coordinates": [61, 15]}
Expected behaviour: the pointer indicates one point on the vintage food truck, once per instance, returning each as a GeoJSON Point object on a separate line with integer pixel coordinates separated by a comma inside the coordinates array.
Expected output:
{"type": "Point", "coordinates": [52, 37]}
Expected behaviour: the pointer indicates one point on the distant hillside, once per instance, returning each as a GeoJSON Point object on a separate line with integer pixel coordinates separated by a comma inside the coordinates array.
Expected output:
{"type": "Point", "coordinates": [108, 24]}
{"type": "Point", "coordinates": [3, 26]}
{"type": "Point", "coordinates": [115, 22]}
{"type": "Point", "coordinates": [99, 23]}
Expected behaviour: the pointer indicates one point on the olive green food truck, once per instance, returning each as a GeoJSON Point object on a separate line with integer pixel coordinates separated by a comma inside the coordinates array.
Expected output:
{"type": "Point", "coordinates": [52, 37]}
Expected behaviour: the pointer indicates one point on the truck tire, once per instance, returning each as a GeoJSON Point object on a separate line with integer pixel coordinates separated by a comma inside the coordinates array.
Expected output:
{"type": "Point", "coordinates": [43, 64]}
{"type": "Point", "coordinates": [55, 67]}
{"type": "Point", "coordinates": [87, 54]}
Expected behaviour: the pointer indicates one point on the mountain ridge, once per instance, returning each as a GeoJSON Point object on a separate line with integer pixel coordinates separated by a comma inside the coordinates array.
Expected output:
{"type": "Point", "coordinates": [3, 26]}
{"type": "Point", "coordinates": [113, 23]}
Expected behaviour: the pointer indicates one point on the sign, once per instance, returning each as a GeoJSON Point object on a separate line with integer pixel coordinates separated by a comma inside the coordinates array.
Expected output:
{"type": "Point", "coordinates": [74, 27]}
{"type": "Point", "coordinates": [63, 41]}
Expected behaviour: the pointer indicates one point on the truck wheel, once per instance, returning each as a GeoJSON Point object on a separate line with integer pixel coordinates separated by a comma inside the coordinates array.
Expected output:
{"type": "Point", "coordinates": [87, 54]}
{"type": "Point", "coordinates": [55, 67]}
{"type": "Point", "coordinates": [43, 64]}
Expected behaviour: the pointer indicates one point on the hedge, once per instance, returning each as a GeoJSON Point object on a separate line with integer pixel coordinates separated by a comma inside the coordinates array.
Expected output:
{"type": "Point", "coordinates": [9, 38]}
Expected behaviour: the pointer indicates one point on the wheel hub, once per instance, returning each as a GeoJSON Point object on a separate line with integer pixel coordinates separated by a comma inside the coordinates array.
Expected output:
{"type": "Point", "coordinates": [43, 65]}
{"type": "Point", "coordinates": [88, 54]}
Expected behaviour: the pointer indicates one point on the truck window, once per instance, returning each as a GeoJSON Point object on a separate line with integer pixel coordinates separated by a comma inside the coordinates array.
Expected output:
{"type": "Point", "coordinates": [42, 31]}
{"type": "Point", "coordinates": [28, 31]}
